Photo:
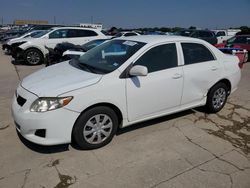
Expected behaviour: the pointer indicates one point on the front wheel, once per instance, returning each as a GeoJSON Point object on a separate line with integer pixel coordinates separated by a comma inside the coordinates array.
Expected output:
{"type": "Point", "coordinates": [217, 97]}
{"type": "Point", "coordinates": [95, 128]}
{"type": "Point", "coordinates": [33, 57]}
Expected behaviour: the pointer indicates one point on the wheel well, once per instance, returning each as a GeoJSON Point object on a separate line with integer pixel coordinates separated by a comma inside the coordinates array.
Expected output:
{"type": "Point", "coordinates": [113, 107]}
{"type": "Point", "coordinates": [226, 82]}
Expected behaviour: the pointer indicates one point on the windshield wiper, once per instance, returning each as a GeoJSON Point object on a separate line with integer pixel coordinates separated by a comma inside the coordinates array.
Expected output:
{"type": "Point", "coordinates": [87, 67]}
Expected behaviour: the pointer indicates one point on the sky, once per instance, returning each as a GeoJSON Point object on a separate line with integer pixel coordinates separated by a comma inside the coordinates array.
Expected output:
{"type": "Point", "coordinates": [210, 14]}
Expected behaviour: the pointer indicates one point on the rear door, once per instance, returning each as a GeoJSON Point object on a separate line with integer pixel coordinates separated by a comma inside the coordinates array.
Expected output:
{"type": "Point", "coordinates": [201, 71]}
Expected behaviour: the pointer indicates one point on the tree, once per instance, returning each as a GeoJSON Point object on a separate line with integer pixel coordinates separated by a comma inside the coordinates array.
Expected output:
{"type": "Point", "coordinates": [192, 27]}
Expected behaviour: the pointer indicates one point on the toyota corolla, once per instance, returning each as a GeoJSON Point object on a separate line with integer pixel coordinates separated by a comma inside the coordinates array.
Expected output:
{"type": "Point", "coordinates": [120, 83]}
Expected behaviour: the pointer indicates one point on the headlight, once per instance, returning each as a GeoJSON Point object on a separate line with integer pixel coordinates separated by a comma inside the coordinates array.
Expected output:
{"type": "Point", "coordinates": [18, 44]}
{"type": "Point", "coordinates": [45, 104]}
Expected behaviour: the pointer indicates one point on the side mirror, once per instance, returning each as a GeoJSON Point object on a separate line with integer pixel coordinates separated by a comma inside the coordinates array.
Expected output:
{"type": "Point", "coordinates": [138, 70]}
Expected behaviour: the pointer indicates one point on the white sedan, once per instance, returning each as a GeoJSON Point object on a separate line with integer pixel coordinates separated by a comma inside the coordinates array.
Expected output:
{"type": "Point", "coordinates": [119, 83]}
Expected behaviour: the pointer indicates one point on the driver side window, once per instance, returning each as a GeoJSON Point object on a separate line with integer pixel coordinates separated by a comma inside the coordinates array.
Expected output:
{"type": "Point", "coordinates": [159, 58]}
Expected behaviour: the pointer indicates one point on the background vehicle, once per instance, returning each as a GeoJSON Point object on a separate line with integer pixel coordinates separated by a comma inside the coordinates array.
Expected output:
{"type": "Point", "coordinates": [206, 35]}
{"type": "Point", "coordinates": [238, 41]}
{"type": "Point", "coordinates": [223, 35]}
{"type": "Point", "coordinates": [33, 50]}
{"type": "Point", "coordinates": [67, 51]}
{"type": "Point", "coordinates": [11, 34]}
{"type": "Point", "coordinates": [119, 83]}
{"type": "Point", "coordinates": [9, 44]}
{"type": "Point", "coordinates": [126, 34]}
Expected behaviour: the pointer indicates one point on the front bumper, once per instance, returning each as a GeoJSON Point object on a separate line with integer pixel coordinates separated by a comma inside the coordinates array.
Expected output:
{"type": "Point", "coordinates": [57, 124]}
{"type": "Point", "coordinates": [18, 53]}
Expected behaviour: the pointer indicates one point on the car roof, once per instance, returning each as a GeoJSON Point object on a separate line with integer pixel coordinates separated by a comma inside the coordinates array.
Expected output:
{"type": "Point", "coordinates": [75, 28]}
{"type": "Point", "coordinates": [155, 39]}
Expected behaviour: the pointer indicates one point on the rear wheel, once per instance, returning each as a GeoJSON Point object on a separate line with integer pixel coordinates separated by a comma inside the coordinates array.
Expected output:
{"type": "Point", "coordinates": [246, 57]}
{"type": "Point", "coordinates": [217, 97]}
{"type": "Point", "coordinates": [95, 128]}
{"type": "Point", "coordinates": [33, 57]}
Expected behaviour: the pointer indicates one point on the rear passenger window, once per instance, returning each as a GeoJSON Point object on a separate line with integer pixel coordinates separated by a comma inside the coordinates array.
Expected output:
{"type": "Point", "coordinates": [196, 53]}
{"type": "Point", "coordinates": [85, 33]}
{"type": "Point", "coordinates": [159, 58]}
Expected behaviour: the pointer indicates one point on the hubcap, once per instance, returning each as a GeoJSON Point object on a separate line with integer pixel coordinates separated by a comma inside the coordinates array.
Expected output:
{"type": "Point", "coordinates": [33, 57]}
{"type": "Point", "coordinates": [97, 129]}
{"type": "Point", "coordinates": [219, 98]}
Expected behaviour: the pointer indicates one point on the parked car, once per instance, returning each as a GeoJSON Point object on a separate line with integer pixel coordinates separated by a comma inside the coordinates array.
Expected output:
{"type": "Point", "coordinates": [126, 34]}
{"type": "Point", "coordinates": [223, 35]}
{"type": "Point", "coordinates": [9, 44]}
{"type": "Point", "coordinates": [121, 82]}
{"type": "Point", "coordinates": [206, 35]}
{"type": "Point", "coordinates": [33, 50]}
{"type": "Point", "coordinates": [238, 41]}
{"type": "Point", "coordinates": [67, 51]}
{"type": "Point", "coordinates": [11, 34]}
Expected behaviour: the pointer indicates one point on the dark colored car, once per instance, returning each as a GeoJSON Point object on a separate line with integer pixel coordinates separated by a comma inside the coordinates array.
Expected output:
{"type": "Point", "coordinates": [11, 34]}
{"type": "Point", "coordinates": [206, 35]}
{"type": "Point", "coordinates": [56, 55]}
{"type": "Point", "coordinates": [238, 41]}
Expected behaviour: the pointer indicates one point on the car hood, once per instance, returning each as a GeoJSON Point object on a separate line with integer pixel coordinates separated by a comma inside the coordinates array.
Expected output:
{"type": "Point", "coordinates": [16, 40]}
{"type": "Point", "coordinates": [58, 79]}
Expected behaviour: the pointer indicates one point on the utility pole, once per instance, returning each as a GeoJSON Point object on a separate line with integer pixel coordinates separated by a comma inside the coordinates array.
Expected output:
{"type": "Point", "coordinates": [54, 19]}
{"type": "Point", "coordinates": [91, 19]}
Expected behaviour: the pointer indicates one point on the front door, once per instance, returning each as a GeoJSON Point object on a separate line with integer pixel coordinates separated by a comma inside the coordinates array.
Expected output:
{"type": "Point", "coordinates": [161, 89]}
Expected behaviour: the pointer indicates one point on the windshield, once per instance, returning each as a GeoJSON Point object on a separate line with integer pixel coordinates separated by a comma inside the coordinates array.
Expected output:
{"type": "Point", "coordinates": [231, 40]}
{"type": "Point", "coordinates": [41, 33]}
{"type": "Point", "coordinates": [109, 56]}
{"type": "Point", "coordinates": [118, 35]}
{"type": "Point", "coordinates": [31, 34]}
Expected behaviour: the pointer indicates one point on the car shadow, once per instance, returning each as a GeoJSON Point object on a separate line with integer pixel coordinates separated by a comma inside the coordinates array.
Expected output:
{"type": "Point", "coordinates": [145, 124]}
{"type": "Point", "coordinates": [15, 62]}
{"type": "Point", "coordinates": [65, 147]}
{"type": "Point", "coordinates": [43, 149]}
{"type": "Point", "coordinates": [152, 122]}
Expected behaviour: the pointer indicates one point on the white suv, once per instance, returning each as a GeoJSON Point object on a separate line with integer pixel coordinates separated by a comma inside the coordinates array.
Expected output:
{"type": "Point", "coordinates": [33, 50]}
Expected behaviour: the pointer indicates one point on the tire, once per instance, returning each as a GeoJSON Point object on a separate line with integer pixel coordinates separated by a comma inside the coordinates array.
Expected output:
{"type": "Point", "coordinates": [246, 58]}
{"type": "Point", "coordinates": [88, 134]}
{"type": "Point", "coordinates": [217, 98]}
{"type": "Point", "coordinates": [33, 57]}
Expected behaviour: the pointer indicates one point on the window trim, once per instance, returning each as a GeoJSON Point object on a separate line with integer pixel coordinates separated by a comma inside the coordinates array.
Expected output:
{"type": "Point", "coordinates": [125, 72]}
{"type": "Point", "coordinates": [195, 42]}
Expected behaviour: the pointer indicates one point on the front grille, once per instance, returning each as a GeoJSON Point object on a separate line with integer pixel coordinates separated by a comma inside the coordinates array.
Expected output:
{"type": "Point", "coordinates": [20, 100]}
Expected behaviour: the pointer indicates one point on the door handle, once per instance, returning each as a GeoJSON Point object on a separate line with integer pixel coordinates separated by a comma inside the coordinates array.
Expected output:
{"type": "Point", "coordinates": [176, 76]}
{"type": "Point", "coordinates": [214, 68]}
